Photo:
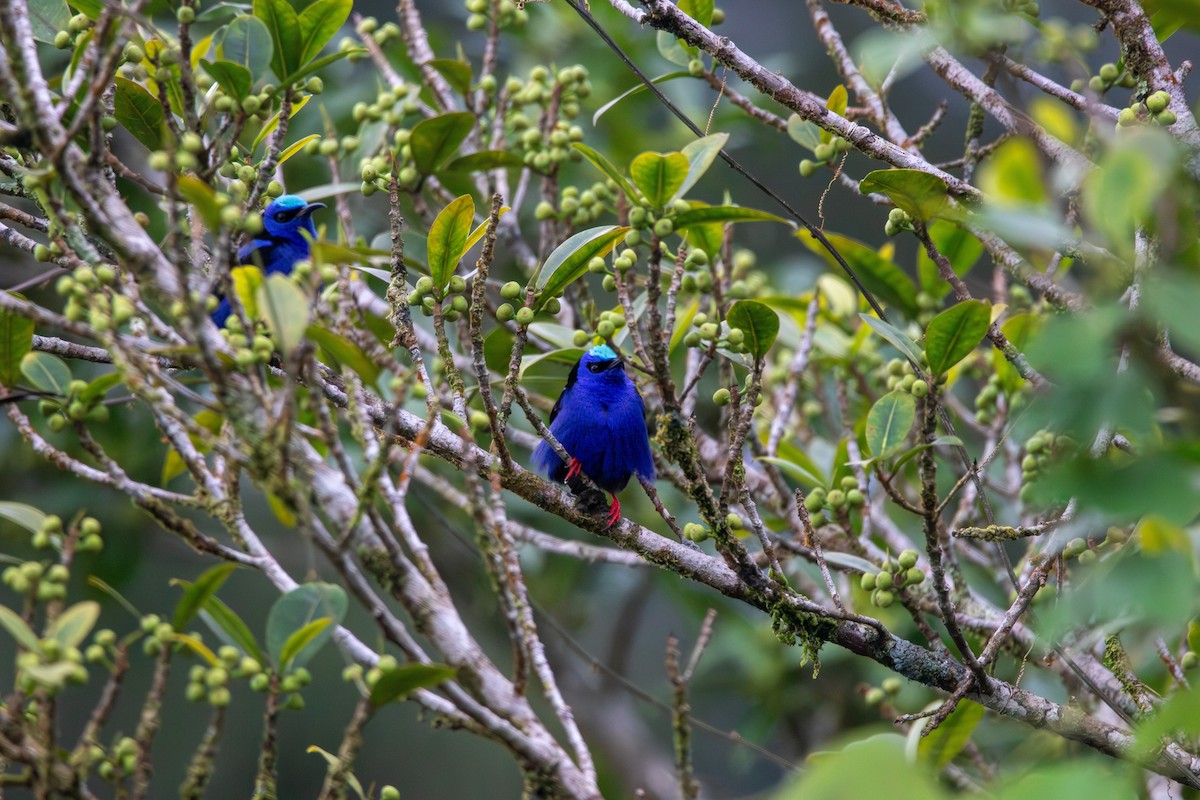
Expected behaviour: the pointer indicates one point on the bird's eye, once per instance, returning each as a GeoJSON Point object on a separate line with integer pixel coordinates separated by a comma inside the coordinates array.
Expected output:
{"type": "Point", "coordinates": [596, 366]}
{"type": "Point", "coordinates": [287, 216]}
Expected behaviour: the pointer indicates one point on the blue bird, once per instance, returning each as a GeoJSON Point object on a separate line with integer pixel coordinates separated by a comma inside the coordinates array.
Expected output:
{"type": "Point", "coordinates": [280, 244]}
{"type": "Point", "coordinates": [600, 420]}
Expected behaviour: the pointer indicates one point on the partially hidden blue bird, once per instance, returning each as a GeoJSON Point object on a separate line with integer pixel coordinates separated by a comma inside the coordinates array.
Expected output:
{"type": "Point", "coordinates": [280, 244]}
{"type": "Point", "coordinates": [600, 420]}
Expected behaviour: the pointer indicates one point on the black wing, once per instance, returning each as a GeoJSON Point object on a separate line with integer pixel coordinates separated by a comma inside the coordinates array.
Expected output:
{"type": "Point", "coordinates": [572, 376]}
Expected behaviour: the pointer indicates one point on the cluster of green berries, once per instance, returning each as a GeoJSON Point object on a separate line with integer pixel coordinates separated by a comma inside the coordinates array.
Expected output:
{"type": "Point", "coordinates": [103, 647]}
{"type": "Point", "coordinates": [1040, 450]}
{"type": "Point", "coordinates": [892, 576]}
{"type": "Point", "coordinates": [847, 496]}
{"type": "Point", "coordinates": [709, 331]}
{"type": "Point", "coordinates": [505, 12]}
{"type": "Point", "coordinates": [1086, 552]}
{"type": "Point", "coordinates": [158, 634]}
{"type": "Point", "coordinates": [249, 348]}
{"type": "Point", "coordinates": [428, 296]}
{"type": "Point", "coordinates": [76, 25]}
{"type": "Point", "coordinates": [47, 582]}
{"type": "Point", "coordinates": [87, 299]}
{"type": "Point", "coordinates": [120, 761]}
{"type": "Point", "coordinates": [571, 83]}
{"type": "Point", "coordinates": [77, 406]}
{"type": "Point", "coordinates": [899, 376]}
{"type": "Point", "coordinates": [1153, 108]}
{"type": "Point", "coordinates": [511, 293]}
{"type": "Point", "coordinates": [746, 282]}
{"type": "Point", "coordinates": [30, 677]}
{"type": "Point", "coordinates": [823, 154]}
{"type": "Point", "coordinates": [241, 175]}
{"type": "Point", "coordinates": [579, 208]}
{"type": "Point", "coordinates": [1108, 77]}
{"type": "Point", "coordinates": [898, 221]}
{"type": "Point", "coordinates": [608, 323]}
{"type": "Point", "coordinates": [890, 687]}
{"type": "Point", "coordinates": [369, 26]}
{"type": "Point", "coordinates": [646, 223]}
{"type": "Point", "coordinates": [696, 532]}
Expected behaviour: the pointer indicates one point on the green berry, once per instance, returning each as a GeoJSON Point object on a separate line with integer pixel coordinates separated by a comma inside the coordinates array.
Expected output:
{"type": "Point", "coordinates": [695, 532]}
{"type": "Point", "coordinates": [908, 559]}
{"type": "Point", "coordinates": [1158, 102]}
{"type": "Point", "coordinates": [1189, 660]}
{"type": "Point", "coordinates": [914, 577]}
{"type": "Point", "coordinates": [1109, 73]}
{"type": "Point", "coordinates": [884, 598]}
{"type": "Point", "coordinates": [875, 696]}
{"type": "Point", "coordinates": [867, 581]}
{"type": "Point", "coordinates": [892, 685]}
{"type": "Point", "coordinates": [884, 580]}
{"type": "Point", "coordinates": [836, 498]}
{"type": "Point", "coordinates": [524, 315]}
{"type": "Point", "coordinates": [722, 396]}
{"type": "Point", "coordinates": [505, 312]}
{"type": "Point", "coordinates": [511, 290]}
{"type": "Point", "coordinates": [62, 40]}
{"type": "Point", "coordinates": [807, 168]}
{"type": "Point", "coordinates": [664, 228]}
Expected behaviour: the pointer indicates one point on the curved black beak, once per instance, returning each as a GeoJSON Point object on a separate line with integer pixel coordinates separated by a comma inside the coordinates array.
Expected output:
{"type": "Point", "coordinates": [311, 207]}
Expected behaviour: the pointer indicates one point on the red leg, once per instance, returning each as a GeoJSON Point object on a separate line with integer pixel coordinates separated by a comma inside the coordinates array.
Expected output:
{"type": "Point", "coordinates": [614, 512]}
{"type": "Point", "coordinates": [573, 468]}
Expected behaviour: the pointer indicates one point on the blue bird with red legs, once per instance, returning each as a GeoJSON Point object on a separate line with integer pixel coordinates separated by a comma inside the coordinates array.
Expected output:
{"type": "Point", "coordinates": [600, 421]}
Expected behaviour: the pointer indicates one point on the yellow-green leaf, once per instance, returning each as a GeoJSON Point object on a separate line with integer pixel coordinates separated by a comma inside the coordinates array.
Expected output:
{"type": "Point", "coordinates": [954, 333]}
{"type": "Point", "coordinates": [889, 422]}
{"type": "Point", "coordinates": [658, 176]}
{"type": "Point", "coordinates": [74, 624]}
{"type": "Point", "coordinates": [47, 373]}
{"type": "Point", "coordinates": [447, 237]}
{"type": "Point", "coordinates": [285, 309]}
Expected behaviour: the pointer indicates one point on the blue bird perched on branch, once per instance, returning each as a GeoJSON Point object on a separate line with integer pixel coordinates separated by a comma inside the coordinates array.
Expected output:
{"type": "Point", "coordinates": [600, 420]}
{"type": "Point", "coordinates": [281, 243]}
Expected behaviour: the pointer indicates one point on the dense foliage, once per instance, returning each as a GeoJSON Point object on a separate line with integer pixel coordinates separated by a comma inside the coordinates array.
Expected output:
{"type": "Point", "coordinates": [962, 466]}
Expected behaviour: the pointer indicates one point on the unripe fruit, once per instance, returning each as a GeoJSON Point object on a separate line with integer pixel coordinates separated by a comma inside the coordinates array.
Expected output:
{"type": "Point", "coordinates": [663, 228]}
{"type": "Point", "coordinates": [1166, 118]}
{"type": "Point", "coordinates": [884, 580]}
{"type": "Point", "coordinates": [919, 388]}
{"type": "Point", "coordinates": [524, 315]}
{"type": "Point", "coordinates": [908, 558]}
{"type": "Point", "coordinates": [823, 152]}
{"type": "Point", "coordinates": [1158, 102]}
{"type": "Point", "coordinates": [1127, 117]}
{"type": "Point", "coordinates": [605, 329]}
{"type": "Point", "coordinates": [511, 290]}
{"type": "Point", "coordinates": [836, 498]}
{"type": "Point", "coordinates": [458, 285]}
{"type": "Point", "coordinates": [884, 599]}
{"type": "Point", "coordinates": [914, 577]}
{"type": "Point", "coordinates": [867, 581]}
{"type": "Point", "coordinates": [695, 66]}
{"type": "Point", "coordinates": [891, 685]}
{"type": "Point", "coordinates": [62, 40]}
{"type": "Point", "coordinates": [875, 696]}
{"type": "Point", "coordinates": [1189, 660]}
{"type": "Point", "coordinates": [133, 54]}
{"type": "Point", "coordinates": [695, 532]}
{"type": "Point", "coordinates": [807, 168]}
{"type": "Point", "coordinates": [722, 397]}
{"type": "Point", "coordinates": [1109, 73]}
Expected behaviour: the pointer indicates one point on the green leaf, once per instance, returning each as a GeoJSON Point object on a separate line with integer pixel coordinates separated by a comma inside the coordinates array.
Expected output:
{"type": "Point", "coordinates": [447, 237]}
{"type": "Point", "coordinates": [16, 340]}
{"type": "Point", "coordinates": [484, 160]}
{"type": "Point", "coordinates": [273, 122]}
{"type": "Point", "coordinates": [344, 352]}
{"type": "Point", "coordinates": [319, 64]}
{"type": "Point", "coordinates": [954, 333]}
{"type": "Point", "coordinates": [247, 281]}
{"type": "Point", "coordinates": [601, 163]}
{"type": "Point", "coordinates": [89, 8]}
{"type": "Point", "coordinates": [889, 421]}
{"type": "Point", "coordinates": [286, 311]}
{"type": "Point", "coordinates": [140, 113]}
{"type": "Point", "coordinates": [20, 631]}
{"type": "Point", "coordinates": [198, 647]}
{"type": "Point", "coordinates": [296, 147]}
{"type": "Point", "coordinates": [233, 78]}
{"type": "Point", "coordinates": [399, 683]}
{"type": "Point", "coordinates": [640, 87]}
{"type": "Point", "coordinates": [837, 102]}
{"type": "Point", "coordinates": [49, 676]}
{"type": "Point", "coordinates": [671, 49]}
{"type": "Point", "coordinates": [284, 27]}
{"type": "Point", "coordinates": [196, 594]}
{"type": "Point", "coordinates": [878, 274]}
{"type": "Point", "coordinates": [298, 608]}
{"type": "Point", "coordinates": [803, 132]}
{"type": "Point", "coordinates": [26, 516]}
{"type": "Point", "coordinates": [874, 767]}
{"type": "Point", "coordinates": [897, 337]}
{"type": "Point", "coordinates": [73, 625]}
{"type": "Point", "coordinates": [318, 24]}
{"type": "Point", "coordinates": [700, 155]}
{"type": "Point", "coordinates": [568, 262]}
{"type": "Point", "coordinates": [434, 140]}
{"type": "Point", "coordinates": [246, 42]}
{"type": "Point", "coordinates": [457, 73]}
{"type": "Point", "coordinates": [225, 621]}
{"type": "Point", "coordinates": [1122, 195]}
{"type": "Point", "coordinates": [945, 742]}
{"type": "Point", "coordinates": [202, 198]}
{"type": "Point", "coordinates": [758, 321]}
{"type": "Point", "coordinates": [918, 193]}
{"type": "Point", "coordinates": [907, 455]}
{"type": "Point", "coordinates": [334, 764]}
{"type": "Point", "coordinates": [47, 18]}
{"type": "Point", "coordinates": [796, 471]}
{"type": "Point", "coordinates": [699, 10]}
{"type": "Point", "coordinates": [1193, 636]}
{"type": "Point", "coordinates": [1013, 173]}
{"type": "Point", "coordinates": [46, 373]}
{"type": "Point", "coordinates": [722, 214]}
{"type": "Point", "coordinates": [300, 640]}
{"type": "Point", "coordinates": [658, 176]}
